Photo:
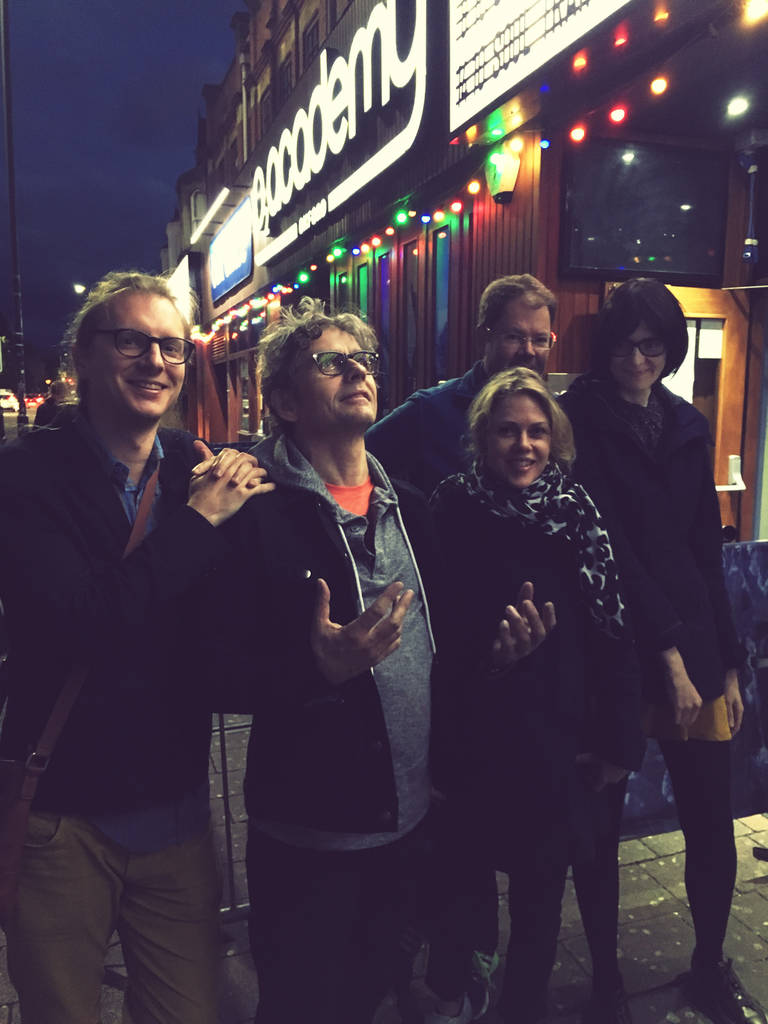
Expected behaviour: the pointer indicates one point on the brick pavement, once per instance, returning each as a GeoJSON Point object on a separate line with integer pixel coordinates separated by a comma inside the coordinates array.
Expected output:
{"type": "Point", "coordinates": [655, 931]}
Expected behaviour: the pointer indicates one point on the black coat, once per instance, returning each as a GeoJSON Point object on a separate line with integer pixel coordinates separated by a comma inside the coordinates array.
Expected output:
{"type": "Point", "coordinates": [319, 754]}
{"type": "Point", "coordinates": [548, 706]}
{"type": "Point", "coordinates": [139, 733]}
{"type": "Point", "coordinates": [663, 515]}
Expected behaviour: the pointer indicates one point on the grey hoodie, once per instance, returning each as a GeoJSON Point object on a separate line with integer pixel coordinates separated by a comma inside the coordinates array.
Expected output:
{"type": "Point", "coordinates": [402, 679]}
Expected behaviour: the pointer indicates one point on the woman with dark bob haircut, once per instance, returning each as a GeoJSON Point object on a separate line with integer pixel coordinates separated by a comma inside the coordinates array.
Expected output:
{"type": "Point", "coordinates": [644, 455]}
{"type": "Point", "coordinates": [515, 707]}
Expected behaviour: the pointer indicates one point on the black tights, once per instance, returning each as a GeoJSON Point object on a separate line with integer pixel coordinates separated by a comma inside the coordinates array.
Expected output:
{"type": "Point", "coordinates": [700, 771]}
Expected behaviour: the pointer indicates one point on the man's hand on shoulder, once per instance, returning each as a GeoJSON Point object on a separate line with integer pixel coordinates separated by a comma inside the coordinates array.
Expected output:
{"type": "Point", "coordinates": [220, 484]}
{"type": "Point", "coordinates": [342, 652]}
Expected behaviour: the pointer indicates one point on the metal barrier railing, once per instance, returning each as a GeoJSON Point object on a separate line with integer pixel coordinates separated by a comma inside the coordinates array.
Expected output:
{"type": "Point", "coordinates": [232, 908]}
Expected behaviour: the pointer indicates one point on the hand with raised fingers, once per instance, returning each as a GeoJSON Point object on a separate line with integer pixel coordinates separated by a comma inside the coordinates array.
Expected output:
{"type": "Point", "coordinates": [342, 652]}
{"type": "Point", "coordinates": [220, 484]}
{"type": "Point", "coordinates": [522, 629]}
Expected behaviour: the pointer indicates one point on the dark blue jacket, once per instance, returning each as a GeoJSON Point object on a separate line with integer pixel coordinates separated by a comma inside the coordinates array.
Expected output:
{"type": "Point", "coordinates": [423, 440]}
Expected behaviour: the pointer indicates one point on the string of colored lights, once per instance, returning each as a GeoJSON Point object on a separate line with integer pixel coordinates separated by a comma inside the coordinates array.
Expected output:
{"type": "Point", "coordinates": [257, 305]}
{"type": "Point", "coordinates": [254, 311]}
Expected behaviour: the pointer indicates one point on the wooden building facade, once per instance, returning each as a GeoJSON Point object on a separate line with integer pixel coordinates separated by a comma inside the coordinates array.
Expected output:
{"type": "Point", "coordinates": [413, 247]}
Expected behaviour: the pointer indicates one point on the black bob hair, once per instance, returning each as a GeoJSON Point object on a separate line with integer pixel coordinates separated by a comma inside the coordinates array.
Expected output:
{"type": "Point", "coordinates": [641, 300]}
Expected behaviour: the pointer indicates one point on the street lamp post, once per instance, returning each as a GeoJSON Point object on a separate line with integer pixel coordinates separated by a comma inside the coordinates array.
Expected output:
{"type": "Point", "coordinates": [18, 322]}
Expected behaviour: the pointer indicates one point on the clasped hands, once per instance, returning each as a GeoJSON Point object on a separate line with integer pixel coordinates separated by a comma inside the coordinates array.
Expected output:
{"type": "Point", "coordinates": [221, 484]}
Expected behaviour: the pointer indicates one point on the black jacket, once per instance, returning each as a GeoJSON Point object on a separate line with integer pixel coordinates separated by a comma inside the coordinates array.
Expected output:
{"type": "Point", "coordinates": [552, 703]}
{"type": "Point", "coordinates": [319, 754]}
{"type": "Point", "coordinates": [663, 516]}
{"type": "Point", "coordinates": [139, 733]}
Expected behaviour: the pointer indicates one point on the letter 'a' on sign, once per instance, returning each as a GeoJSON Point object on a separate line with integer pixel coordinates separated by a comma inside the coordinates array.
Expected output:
{"type": "Point", "coordinates": [494, 46]}
{"type": "Point", "coordinates": [332, 118]}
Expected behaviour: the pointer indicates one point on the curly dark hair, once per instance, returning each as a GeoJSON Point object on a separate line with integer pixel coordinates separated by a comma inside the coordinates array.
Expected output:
{"type": "Point", "coordinates": [293, 333]}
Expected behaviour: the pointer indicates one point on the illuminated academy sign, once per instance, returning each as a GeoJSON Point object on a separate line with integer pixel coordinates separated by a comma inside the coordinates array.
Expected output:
{"type": "Point", "coordinates": [332, 119]}
{"type": "Point", "coordinates": [494, 46]}
{"type": "Point", "coordinates": [230, 256]}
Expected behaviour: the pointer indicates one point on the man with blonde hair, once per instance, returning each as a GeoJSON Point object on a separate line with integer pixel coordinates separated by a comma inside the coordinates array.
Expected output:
{"type": "Point", "coordinates": [119, 835]}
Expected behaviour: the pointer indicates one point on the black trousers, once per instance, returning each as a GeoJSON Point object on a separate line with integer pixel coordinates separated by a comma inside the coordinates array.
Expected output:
{"type": "Point", "coordinates": [516, 822]}
{"type": "Point", "coordinates": [700, 771]}
{"type": "Point", "coordinates": [326, 927]}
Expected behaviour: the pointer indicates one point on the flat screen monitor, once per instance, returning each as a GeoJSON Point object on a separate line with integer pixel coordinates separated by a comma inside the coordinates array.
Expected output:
{"type": "Point", "coordinates": [644, 208]}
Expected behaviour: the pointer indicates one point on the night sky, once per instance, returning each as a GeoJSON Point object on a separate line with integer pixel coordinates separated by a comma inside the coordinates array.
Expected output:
{"type": "Point", "coordinates": [106, 96]}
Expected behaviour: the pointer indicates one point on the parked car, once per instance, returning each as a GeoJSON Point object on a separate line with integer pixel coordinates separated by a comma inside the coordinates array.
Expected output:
{"type": "Point", "coordinates": [8, 401]}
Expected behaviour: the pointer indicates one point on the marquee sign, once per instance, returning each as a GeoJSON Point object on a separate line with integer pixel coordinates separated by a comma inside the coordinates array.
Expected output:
{"type": "Point", "coordinates": [230, 255]}
{"type": "Point", "coordinates": [331, 120]}
{"type": "Point", "coordinates": [494, 46]}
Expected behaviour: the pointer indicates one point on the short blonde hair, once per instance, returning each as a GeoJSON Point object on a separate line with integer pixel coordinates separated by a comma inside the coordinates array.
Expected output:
{"type": "Point", "coordinates": [293, 333]}
{"type": "Point", "coordinates": [520, 381]}
{"type": "Point", "coordinates": [95, 309]}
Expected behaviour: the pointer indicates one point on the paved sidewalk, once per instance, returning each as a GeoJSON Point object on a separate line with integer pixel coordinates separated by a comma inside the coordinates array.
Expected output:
{"type": "Point", "coordinates": [656, 936]}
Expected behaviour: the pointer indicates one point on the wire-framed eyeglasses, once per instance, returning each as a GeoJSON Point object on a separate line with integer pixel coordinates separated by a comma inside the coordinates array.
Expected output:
{"type": "Point", "coordinates": [333, 364]}
{"type": "Point", "coordinates": [132, 343]}
{"type": "Point", "coordinates": [540, 342]}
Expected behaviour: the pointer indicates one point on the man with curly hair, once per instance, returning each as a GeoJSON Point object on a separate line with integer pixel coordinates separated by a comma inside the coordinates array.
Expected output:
{"type": "Point", "coordinates": [330, 589]}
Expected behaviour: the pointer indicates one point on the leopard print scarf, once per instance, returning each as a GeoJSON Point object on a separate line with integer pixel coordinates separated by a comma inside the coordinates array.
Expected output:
{"type": "Point", "coordinates": [558, 505]}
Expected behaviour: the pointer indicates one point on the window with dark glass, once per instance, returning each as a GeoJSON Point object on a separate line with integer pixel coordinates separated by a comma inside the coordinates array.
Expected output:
{"type": "Point", "coordinates": [311, 41]}
{"type": "Point", "coordinates": [266, 110]}
{"type": "Point", "coordinates": [285, 80]}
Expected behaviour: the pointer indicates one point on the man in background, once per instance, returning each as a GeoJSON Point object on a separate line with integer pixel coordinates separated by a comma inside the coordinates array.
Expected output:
{"type": "Point", "coordinates": [48, 410]}
{"type": "Point", "coordinates": [422, 441]}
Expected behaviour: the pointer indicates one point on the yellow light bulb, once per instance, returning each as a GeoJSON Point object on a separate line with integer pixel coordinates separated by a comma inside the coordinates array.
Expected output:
{"type": "Point", "coordinates": [755, 10]}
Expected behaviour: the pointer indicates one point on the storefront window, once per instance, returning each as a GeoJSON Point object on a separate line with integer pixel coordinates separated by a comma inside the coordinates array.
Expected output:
{"type": "Point", "coordinates": [760, 530]}
{"type": "Point", "coordinates": [362, 288]}
{"type": "Point", "coordinates": [245, 397]}
{"type": "Point", "coordinates": [385, 384]}
{"type": "Point", "coordinates": [410, 254]}
{"type": "Point", "coordinates": [342, 291]}
{"type": "Point", "coordinates": [441, 263]}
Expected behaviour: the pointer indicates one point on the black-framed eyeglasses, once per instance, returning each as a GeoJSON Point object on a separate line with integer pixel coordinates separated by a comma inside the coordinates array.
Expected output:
{"type": "Point", "coordinates": [132, 343]}
{"type": "Point", "coordinates": [541, 342]}
{"type": "Point", "coordinates": [648, 347]}
{"type": "Point", "coordinates": [333, 364]}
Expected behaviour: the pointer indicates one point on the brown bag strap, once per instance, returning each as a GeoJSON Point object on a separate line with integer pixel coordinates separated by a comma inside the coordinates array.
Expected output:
{"type": "Point", "coordinates": [142, 514]}
{"type": "Point", "coordinates": [37, 761]}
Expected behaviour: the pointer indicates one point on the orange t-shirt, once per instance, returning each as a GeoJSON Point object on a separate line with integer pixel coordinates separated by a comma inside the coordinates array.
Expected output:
{"type": "Point", "coordinates": [353, 499]}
